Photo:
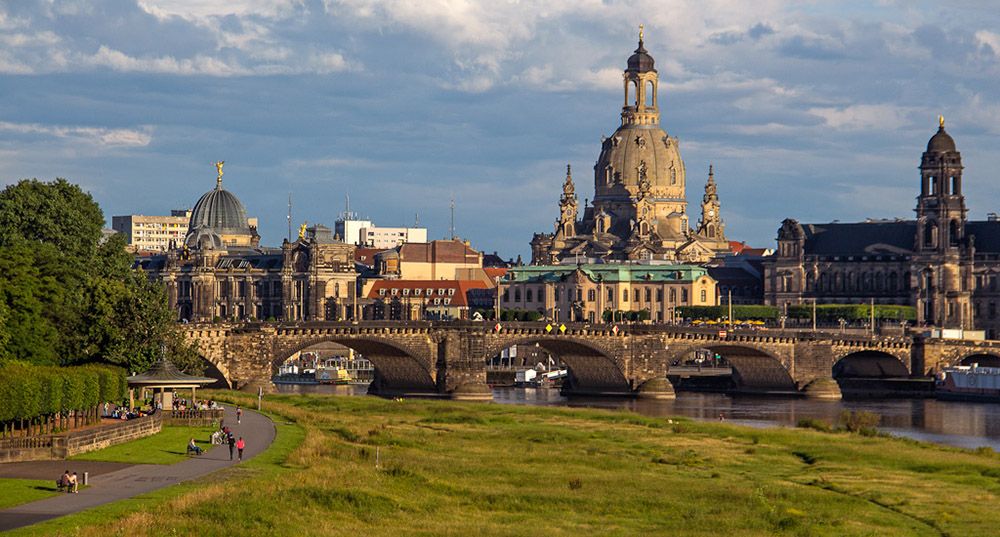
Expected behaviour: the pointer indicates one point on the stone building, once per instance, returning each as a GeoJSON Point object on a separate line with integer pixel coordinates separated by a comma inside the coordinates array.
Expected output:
{"type": "Point", "coordinates": [639, 209]}
{"type": "Point", "coordinates": [221, 272]}
{"type": "Point", "coordinates": [942, 263]}
{"type": "Point", "coordinates": [584, 292]}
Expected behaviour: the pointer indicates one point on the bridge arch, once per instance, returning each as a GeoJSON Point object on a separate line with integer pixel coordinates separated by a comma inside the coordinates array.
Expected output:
{"type": "Point", "coordinates": [398, 368]}
{"type": "Point", "coordinates": [753, 369]}
{"type": "Point", "coordinates": [869, 363]}
{"type": "Point", "coordinates": [592, 369]}
{"type": "Point", "coordinates": [984, 359]}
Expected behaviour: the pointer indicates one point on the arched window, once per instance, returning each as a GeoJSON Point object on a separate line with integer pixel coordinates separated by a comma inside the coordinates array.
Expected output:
{"type": "Point", "coordinates": [934, 185]}
{"type": "Point", "coordinates": [624, 295]}
{"type": "Point", "coordinates": [649, 295]}
{"type": "Point", "coordinates": [810, 282]}
{"type": "Point", "coordinates": [611, 296]}
{"type": "Point", "coordinates": [893, 282]}
{"type": "Point", "coordinates": [956, 185]}
{"type": "Point", "coordinates": [710, 230]}
{"type": "Point", "coordinates": [635, 295]}
{"type": "Point", "coordinates": [955, 232]}
{"type": "Point", "coordinates": [528, 296]}
{"type": "Point", "coordinates": [635, 90]}
{"type": "Point", "coordinates": [838, 281]}
{"type": "Point", "coordinates": [673, 296]}
{"type": "Point", "coordinates": [591, 295]}
{"type": "Point", "coordinates": [517, 295]}
{"type": "Point", "coordinates": [930, 234]}
{"type": "Point", "coordinates": [879, 282]}
{"type": "Point", "coordinates": [650, 93]}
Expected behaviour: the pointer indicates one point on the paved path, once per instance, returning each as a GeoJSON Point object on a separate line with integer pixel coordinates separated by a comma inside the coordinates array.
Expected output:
{"type": "Point", "coordinates": [257, 430]}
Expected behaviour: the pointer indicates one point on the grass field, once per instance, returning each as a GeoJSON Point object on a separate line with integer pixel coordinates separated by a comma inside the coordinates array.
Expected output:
{"type": "Point", "coordinates": [375, 467]}
{"type": "Point", "coordinates": [17, 491]}
{"type": "Point", "coordinates": [165, 447]}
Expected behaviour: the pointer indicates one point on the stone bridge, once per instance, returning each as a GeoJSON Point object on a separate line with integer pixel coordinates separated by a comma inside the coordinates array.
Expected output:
{"type": "Point", "coordinates": [449, 358]}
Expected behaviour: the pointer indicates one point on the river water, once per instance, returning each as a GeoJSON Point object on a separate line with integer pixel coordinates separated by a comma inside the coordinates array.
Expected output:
{"type": "Point", "coordinates": [960, 424]}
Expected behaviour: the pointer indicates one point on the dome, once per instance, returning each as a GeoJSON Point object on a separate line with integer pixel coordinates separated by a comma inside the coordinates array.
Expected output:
{"type": "Point", "coordinates": [634, 153]}
{"type": "Point", "coordinates": [221, 211]}
{"type": "Point", "coordinates": [941, 142]}
{"type": "Point", "coordinates": [641, 61]}
{"type": "Point", "coordinates": [203, 238]}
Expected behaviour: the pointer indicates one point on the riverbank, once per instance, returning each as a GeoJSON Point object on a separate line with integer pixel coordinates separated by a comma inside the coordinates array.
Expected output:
{"type": "Point", "coordinates": [376, 467]}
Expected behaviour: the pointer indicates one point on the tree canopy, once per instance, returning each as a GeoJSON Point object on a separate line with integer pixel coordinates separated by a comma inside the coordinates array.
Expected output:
{"type": "Point", "coordinates": [66, 296]}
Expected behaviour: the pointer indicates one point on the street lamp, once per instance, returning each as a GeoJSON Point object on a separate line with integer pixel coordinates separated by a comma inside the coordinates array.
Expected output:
{"type": "Point", "coordinates": [782, 319]}
{"type": "Point", "coordinates": [843, 324]}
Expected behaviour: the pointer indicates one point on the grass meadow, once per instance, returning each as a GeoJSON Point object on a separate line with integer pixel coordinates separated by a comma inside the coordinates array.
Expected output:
{"type": "Point", "coordinates": [367, 466]}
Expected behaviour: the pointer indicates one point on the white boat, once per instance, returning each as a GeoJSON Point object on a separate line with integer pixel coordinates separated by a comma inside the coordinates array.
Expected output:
{"type": "Point", "coordinates": [969, 382]}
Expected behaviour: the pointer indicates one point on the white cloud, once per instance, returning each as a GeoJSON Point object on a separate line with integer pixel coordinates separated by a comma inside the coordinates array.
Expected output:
{"type": "Point", "coordinates": [93, 135]}
{"type": "Point", "coordinates": [883, 117]}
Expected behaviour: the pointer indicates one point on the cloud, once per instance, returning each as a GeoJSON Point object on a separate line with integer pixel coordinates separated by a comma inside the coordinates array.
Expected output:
{"type": "Point", "coordinates": [883, 117]}
{"type": "Point", "coordinates": [93, 135]}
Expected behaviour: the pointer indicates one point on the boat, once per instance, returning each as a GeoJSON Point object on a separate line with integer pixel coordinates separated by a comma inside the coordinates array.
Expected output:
{"type": "Point", "coordinates": [968, 383]}
{"type": "Point", "coordinates": [332, 375]}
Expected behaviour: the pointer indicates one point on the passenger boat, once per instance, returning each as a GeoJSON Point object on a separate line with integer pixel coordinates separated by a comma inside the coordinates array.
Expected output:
{"type": "Point", "coordinates": [332, 375]}
{"type": "Point", "coordinates": [969, 383]}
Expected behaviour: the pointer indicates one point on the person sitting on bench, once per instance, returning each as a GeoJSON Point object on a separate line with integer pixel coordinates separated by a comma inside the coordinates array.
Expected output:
{"type": "Point", "coordinates": [193, 448]}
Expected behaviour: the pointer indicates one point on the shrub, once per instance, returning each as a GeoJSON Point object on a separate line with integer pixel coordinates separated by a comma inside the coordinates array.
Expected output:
{"type": "Point", "coordinates": [575, 484]}
{"type": "Point", "coordinates": [860, 422]}
{"type": "Point", "coordinates": [815, 424]}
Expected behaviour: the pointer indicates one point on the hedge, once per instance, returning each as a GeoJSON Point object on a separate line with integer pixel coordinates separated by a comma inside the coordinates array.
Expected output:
{"type": "Point", "coordinates": [824, 312]}
{"type": "Point", "coordinates": [38, 398]}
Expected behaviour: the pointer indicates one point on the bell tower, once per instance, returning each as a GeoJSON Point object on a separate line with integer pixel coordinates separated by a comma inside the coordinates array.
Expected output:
{"type": "Point", "coordinates": [641, 107]}
{"type": "Point", "coordinates": [941, 275]}
{"type": "Point", "coordinates": [711, 225]}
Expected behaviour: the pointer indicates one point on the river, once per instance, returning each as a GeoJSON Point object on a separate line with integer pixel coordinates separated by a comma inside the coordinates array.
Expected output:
{"type": "Point", "coordinates": [967, 425]}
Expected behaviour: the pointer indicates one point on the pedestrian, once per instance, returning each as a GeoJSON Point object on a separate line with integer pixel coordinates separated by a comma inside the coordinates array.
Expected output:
{"type": "Point", "coordinates": [64, 482]}
{"type": "Point", "coordinates": [74, 484]}
{"type": "Point", "coordinates": [240, 444]}
{"type": "Point", "coordinates": [232, 444]}
{"type": "Point", "coordinates": [239, 414]}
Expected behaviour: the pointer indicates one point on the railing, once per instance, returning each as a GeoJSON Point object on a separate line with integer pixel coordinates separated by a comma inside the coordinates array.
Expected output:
{"type": "Point", "coordinates": [28, 442]}
{"type": "Point", "coordinates": [195, 414]}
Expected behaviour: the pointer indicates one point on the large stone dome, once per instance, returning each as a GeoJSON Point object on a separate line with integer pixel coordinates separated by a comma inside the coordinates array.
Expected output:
{"type": "Point", "coordinates": [635, 152]}
{"type": "Point", "coordinates": [218, 217]}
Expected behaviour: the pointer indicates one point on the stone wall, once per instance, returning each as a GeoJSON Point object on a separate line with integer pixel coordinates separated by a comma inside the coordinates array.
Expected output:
{"type": "Point", "coordinates": [55, 447]}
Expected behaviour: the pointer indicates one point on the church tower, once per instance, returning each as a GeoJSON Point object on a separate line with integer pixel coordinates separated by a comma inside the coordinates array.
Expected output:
{"type": "Point", "coordinates": [711, 225]}
{"type": "Point", "coordinates": [566, 225]}
{"type": "Point", "coordinates": [941, 276]}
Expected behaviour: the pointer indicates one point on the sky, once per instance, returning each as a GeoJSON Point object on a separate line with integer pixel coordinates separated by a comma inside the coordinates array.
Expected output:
{"type": "Point", "coordinates": [817, 111]}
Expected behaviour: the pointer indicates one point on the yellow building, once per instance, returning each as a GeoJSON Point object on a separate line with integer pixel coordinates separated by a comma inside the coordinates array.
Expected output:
{"type": "Point", "coordinates": [583, 293]}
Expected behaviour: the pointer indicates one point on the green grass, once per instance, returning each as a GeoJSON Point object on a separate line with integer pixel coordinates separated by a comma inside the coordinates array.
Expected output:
{"type": "Point", "coordinates": [454, 469]}
{"type": "Point", "coordinates": [165, 447]}
{"type": "Point", "coordinates": [17, 491]}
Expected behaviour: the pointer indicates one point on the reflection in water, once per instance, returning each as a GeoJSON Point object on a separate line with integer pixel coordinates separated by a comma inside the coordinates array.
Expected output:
{"type": "Point", "coordinates": [960, 424]}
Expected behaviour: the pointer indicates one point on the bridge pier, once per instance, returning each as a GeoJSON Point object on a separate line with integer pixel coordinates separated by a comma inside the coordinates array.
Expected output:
{"type": "Point", "coordinates": [825, 389]}
{"type": "Point", "coordinates": [657, 388]}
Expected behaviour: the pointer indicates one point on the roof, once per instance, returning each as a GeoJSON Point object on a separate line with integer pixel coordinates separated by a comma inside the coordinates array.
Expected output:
{"type": "Point", "coordinates": [860, 238]}
{"type": "Point", "coordinates": [444, 251]}
{"type": "Point", "coordinates": [610, 273]}
{"type": "Point", "coordinates": [366, 256]}
{"type": "Point", "coordinates": [941, 142]}
{"type": "Point", "coordinates": [164, 373]}
{"type": "Point", "coordinates": [496, 272]}
{"type": "Point", "coordinates": [220, 210]}
{"type": "Point", "coordinates": [418, 289]}
{"type": "Point", "coordinates": [640, 61]}
{"type": "Point", "coordinates": [987, 234]}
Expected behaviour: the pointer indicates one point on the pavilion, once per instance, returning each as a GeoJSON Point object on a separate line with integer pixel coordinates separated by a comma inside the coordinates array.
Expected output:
{"type": "Point", "coordinates": [165, 376]}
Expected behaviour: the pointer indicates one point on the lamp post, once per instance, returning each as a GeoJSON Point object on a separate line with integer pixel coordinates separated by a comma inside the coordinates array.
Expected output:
{"type": "Point", "coordinates": [782, 319]}
{"type": "Point", "coordinates": [843, 324]}
{"type": "Point", "coordinates": [499, 291]}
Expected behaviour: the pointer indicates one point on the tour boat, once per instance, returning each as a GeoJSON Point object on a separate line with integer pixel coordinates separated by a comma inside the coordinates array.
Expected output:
{"type": "Point", "coordinates": [969, 383]}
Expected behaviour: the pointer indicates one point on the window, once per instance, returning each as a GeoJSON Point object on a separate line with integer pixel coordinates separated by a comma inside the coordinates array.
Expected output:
{"type": "Point", "coordinates": [624, 295]}
{"type": "Point", "coordinates": [506, 295]}
{"type": "Point", "coordinates": [381, 292]}
{"type": "Point", "coordinates": [517, 295]}
{"type": "Point", "coordinates": [649, 295]}
{"type": "Point", "coordinates": [579, 295]}
{"type": "Point", "coordinates": [591, 295]}
{"type": "Point", "coordinates": [635, 295]}
{"type": "Point", "coordinates": [431, 292]}
{"type": "Point", "coordinates": [684, 296]}
{"type": "Point", "coordinates": [659, 295]}
{"type": "Point", "coordinates": [673, 296]}
{"type": "Point", "coordinates": [528, 297]}
{"type": "Point", "coordinates": [395, 292]}
{"type": "Point", "coordinates": [416, 292]}
{"type": "Point", "coordinates": [611, 296]}
{"type": "Point", "coordinates": [406, 292]}
{"type": "Point", "coordinates": [451, 292]}
{"type": "Point", "coordinates": [447, 301]}
{"type": "Point", "coordinates": [704, 296]}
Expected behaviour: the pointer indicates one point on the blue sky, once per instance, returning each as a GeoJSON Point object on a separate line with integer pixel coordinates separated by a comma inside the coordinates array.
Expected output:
{"type": "Point", "coordinates": [812, 110]}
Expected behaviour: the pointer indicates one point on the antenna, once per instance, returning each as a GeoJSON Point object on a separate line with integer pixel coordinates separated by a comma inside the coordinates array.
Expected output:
{"type": "Point", "coordinates": [416, 219]}
{"type": "Point", "coordinates": [289, 217]}
{"type": "Point", "coordinates": [452, 217]}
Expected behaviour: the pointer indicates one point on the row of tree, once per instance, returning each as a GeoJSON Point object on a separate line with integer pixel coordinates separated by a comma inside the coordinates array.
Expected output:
{"type": "Point", "coordinates": [68, 296]}
{"type": "Point", "coordinates": [825, 313]}
{"type": "Point", "coordinates": [43, 399]}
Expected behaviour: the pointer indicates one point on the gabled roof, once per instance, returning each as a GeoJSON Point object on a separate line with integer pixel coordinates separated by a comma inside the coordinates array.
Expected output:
{"type": "Point", "coordinates": [459, 297]}
{"type": "Point", "coordinates": [860, 238]}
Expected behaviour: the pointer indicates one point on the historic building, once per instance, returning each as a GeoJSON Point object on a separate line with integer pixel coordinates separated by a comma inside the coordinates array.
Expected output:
{"type": "Point", "coordinates": [942, 263]}
{"type": "Point", "coordinates": [221, 272]}
{"type": "Point", "coordinates": [639, 209]}
{"type": "Point", "coordinates": [584, 292]}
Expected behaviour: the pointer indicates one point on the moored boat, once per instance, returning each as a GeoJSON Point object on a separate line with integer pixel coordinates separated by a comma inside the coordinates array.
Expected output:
{"type": "Point", "coordinates": [969, 383]}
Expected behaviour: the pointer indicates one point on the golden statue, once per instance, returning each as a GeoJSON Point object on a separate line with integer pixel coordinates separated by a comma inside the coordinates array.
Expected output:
{"type": "Point", "coordinates": [218, 168]}
{"type": "Point", "coordinates": [302, 231]}
{"type": "Point", "coordinates": [640, 32]}
{"type": "Point", "coordinates": [941, 121]}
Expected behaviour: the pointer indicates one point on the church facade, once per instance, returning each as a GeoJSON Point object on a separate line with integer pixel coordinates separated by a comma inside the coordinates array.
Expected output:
{"type": "Point", "coordinates": [639, 210]}
{"type": "Point", "coordinates": [942, 263]}
{"type": "Point", "coordinates": [220, 272]}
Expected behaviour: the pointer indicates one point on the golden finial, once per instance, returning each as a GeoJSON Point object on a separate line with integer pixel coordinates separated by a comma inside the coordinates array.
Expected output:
{"type": "Point", "coordinates": [302, 231]}
{"type": "Point", "coordinates": [218, 168]}
{"type": "Point", "coordinates": [640, 32]}
{"type": "Point", "coordinates": [941, 121]}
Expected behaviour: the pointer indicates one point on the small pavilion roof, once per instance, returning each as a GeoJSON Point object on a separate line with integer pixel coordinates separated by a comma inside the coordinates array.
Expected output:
{"type": "Point", "coordinates": [164, 373]}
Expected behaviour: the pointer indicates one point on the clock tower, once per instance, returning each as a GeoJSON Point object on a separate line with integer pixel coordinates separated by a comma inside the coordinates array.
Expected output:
{"type": "Point", "coordinates": [711, 227]}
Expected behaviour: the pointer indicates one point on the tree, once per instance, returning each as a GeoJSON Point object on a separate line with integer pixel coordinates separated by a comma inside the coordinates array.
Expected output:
{"type": "Point", "coordinates": [28, 295]}
{"type": "Point", "coordinates": [57, 213]}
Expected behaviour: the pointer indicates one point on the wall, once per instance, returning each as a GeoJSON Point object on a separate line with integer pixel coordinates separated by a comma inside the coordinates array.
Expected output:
{"type": "Point", "coordinates": [54, 447]}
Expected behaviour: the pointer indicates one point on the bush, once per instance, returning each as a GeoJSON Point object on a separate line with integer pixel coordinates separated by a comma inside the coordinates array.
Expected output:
{"type": "Point", "coordinates": [815, 424]}
{"type": "Point", "coordinates": [861, 422]}
{"type": "Point", "coordinates": [28, 392]}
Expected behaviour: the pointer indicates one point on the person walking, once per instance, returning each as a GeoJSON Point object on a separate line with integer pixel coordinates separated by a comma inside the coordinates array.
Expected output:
{"type": "Point", "coordinates": [239, 414]}
{"type": "Point", "coordinates": [232, 444]}
{"type": "Point", "coordinates": [240, 444]}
